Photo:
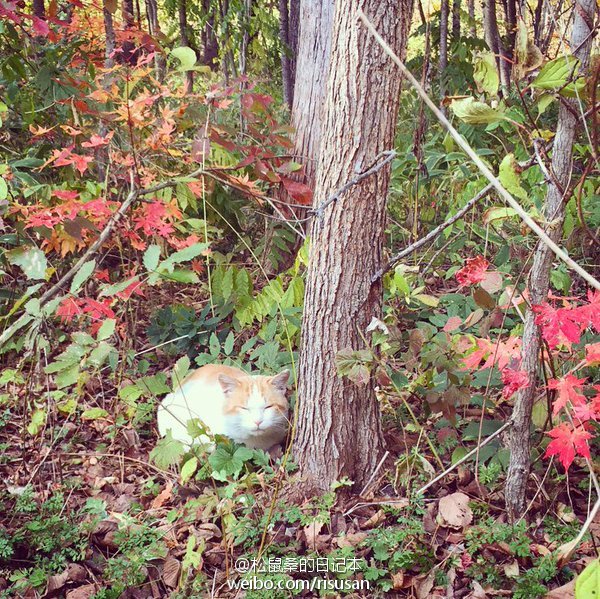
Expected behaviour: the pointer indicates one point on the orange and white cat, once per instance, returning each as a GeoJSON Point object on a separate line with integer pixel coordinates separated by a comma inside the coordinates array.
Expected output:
{"type": "Point", "coordinates": [250, 409]}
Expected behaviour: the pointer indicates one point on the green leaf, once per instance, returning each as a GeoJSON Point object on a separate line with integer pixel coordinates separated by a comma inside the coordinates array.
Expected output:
{"type": "Point", "coordinates": [167, 452]}
{"type": "Point", "coordinates": [225, 461]}
{"type": "Point", "coordinates": [31, 260]}
{"type": "Point", "coordinates": [100, 354]}
{"type": "Point", "coordinates": [180, 371]}
{"type": "Point", "coordinates": [428, 300]}
{"type": "Point", "coordinates": [38, 419]}
{"type": "Point", "coordinates": [485, 73]}
{"type": "Point", "coordinates": [228, 345]}
{"type": "Point", "coordinates": [510, 178]}
{"type": "Point", "coordinates": [498, 213]}
{"type": "Point", "coordinates": [151, 257]}
{"type": "Point", "coordinates": [556, 73]}
{"type": "Point", "coordinates": [587, 585]}
{"type": "Point", "coordinates": [67, 377]}
{"type": "Point", "coordinates": [471, 111]}
{"type": "Point", "coordinates": [107, 329]}
{"type": "Point", "coordinates": [182, 276]}
{"type": "Point", "coordinates": [82, 275]}
{"type": "Point", "coordinates": [186, 57]}
{"type": "Point", "coordinates": [543, 102]}
{"type": "Point", "coordinates": [3, 189]}
{"type": "Point", "coordinates": [188, 469]}
{"type": "Point", "coordinates": [184, 255]}
{"type": "Point", "coordinates": [94, 414]}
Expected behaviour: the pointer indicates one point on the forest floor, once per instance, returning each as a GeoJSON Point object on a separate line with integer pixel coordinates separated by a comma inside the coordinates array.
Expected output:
{"type": "Point", "coordinates": [88, 514]}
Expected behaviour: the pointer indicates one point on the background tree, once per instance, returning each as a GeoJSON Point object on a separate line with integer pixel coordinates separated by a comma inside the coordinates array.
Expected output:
{"type": "Point", "coordinates": [339, 422]}
{"type": "Point", "coordinates": [557, 197]}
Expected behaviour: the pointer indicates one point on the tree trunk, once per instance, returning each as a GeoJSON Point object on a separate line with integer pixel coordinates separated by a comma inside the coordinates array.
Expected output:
{"type": "Point", "coordinates": [128, 13]}
{"type": "Point", "coordinates": [39, 10]}
{"type": "Point", "coordinates": [316, 20]}
{"type": "Point", "coordinates": [511, 31]}
{"type": "Point", "coordinates": [492, 38]}
{"type": "Point", "coordinates": [471, 9]}
{"type": "Point", "coordinates": [443, 62]}
{"type": "Point", "coordinates": [185, 41]}
{"type": "Point", "coordinates": [156, 33]}
{"type": "Point", "coordinates": [339, 430]}
{"type": "Point", "coordinates": [210, 44]}
{"type": "Point", "coordinates": [539, 277]}
{"type": "Point", "coordinates": [286, 67]}
{"type": "Point", "coordinates": [456, 20]}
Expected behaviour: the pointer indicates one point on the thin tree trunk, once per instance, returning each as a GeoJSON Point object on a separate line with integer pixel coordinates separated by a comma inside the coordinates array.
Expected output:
{"type": "Point", "coordinates": [511, 31]}
{"type": "Point", "coordinates": [539, 277]}
{"type": "Point", "coordinates": [293, 30]}
{"type": "Point", "coordinates": [286, 71]}
{"type": "Point", "coordinates": [243, 55]}
{"type": "Point", "coordinates": [210, 44]}
{"type": "Point", "coordinates": [185, 41]}
{"type": "Point", "coordinates": [455, 20]}
{"type": "Point", "coordinates": [443, 61]}
{"type": "Point", "coordinates": [492, 38]}
{"type": "Point", "coordinates": [472, 26]}
{"type": "Point", "coordinates": [127, 12]}
{"type": "Point", "coordinates": [156, 33]}
{"type": "Point", "coordinates": [39, 10]}
{"type": "Point", "coordinates": [339, 430]}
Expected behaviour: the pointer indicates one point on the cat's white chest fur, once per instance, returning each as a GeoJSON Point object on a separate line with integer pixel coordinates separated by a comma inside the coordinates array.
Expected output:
{"type": "Point", "coordinates": [249, 409]}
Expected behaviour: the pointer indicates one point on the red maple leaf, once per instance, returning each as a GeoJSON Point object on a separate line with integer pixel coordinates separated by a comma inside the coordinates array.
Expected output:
{"type": "Point", "coordinates": [97, 141]}
{"type": "Point", "coordinates": [592, 354]}
{"type": "Point", "coordinates": [68, 309]}
{"type": "Point", "coordinates": [567, 443]}
{"type": "Point", "coordinates": [590, 313]}
{"type": "Point", "coordinates": [473, 272]}
{"type": "Point", "coordinates": [499, 354]}
{"type": "Point", "coordinates": [567, 391]}
{"type": "Point", "coordinates": [513, 380]}
{"type": "Point", "coordinates": [560, 326]}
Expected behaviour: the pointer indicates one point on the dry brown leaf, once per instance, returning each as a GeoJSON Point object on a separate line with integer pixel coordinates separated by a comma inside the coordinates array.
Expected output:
{"type": "Point", "coordinates": [374, 520]}
{"type": "Point", "coordinates": [163, 497]}
{"type": "Point", "coordinates": [398, 580]}
{"type": "Point", "coordinates": [424, 584]}
{"type": "Point", "coordinates": [77, 573]}
{"type": "Point", "coordinates": [512, 570]}
{"type": "Point", "coordinates": [477, 592]}
{"type": "Point", "coordinates": [83, 592]}
{"type": "Point", "coordinates": [57, 581]}
{"type": "Point", "coordinates": [351, 540]}
{"type": "Point", "coordinates": [207, 530]}
{"type": "Point", "coordinates": [567, 591]}
{"type": "Point", "coordinates": [454, 511]}
{"type": "Point", "coordinates": [310, 533]}
{"type": "Point", "coordinates": [171, 569]}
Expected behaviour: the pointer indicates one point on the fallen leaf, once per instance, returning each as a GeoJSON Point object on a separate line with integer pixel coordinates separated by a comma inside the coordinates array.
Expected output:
{"type": "Point", "coordinates": [163, 497]}
{"type": "Point", "coordinates": [424, 584]}
{"type": "Point", "coordinates": [374, 520]}
{"type": "Point", "coordinates": [454, 511]}
{"type": "Point", "coordinates": [512, 570]}
{"type": "Point", "coordinates": [310, 532]}
{"type": "Point", "coordinates": [566, 591]}
{"type": "Point", "coordinates": [477, 592]}
{"type": "Point", "coordinates": [171, 569]}
{"type": "Point", "coordinates": [398, 580]}
{"type": "Point", "coordinates": [351, 540]}
{"type": "Point", "coordinates": [83, 592]}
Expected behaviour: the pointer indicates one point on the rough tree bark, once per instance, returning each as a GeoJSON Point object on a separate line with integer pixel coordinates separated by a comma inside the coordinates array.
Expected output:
{"type": "Point", "coordinates": [316, 19]}
{"type": "Point", "coordinates": [339, 431]}
{"type": "Point", "coordinates": [539, 277]}
{"type": "Point", "coordinates": [155, 31]}
{"type": "Point", "coordinates": [456, 19]}
{"type": "Point", "coordinates": [443, 61]}
{"type": "Point", "coordinates": [185, 41]}
{"type": "Point", "coordinates": [210, 44]}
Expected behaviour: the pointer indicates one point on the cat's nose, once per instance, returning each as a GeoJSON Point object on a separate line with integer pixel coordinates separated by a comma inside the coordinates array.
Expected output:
{"type": "Point", "coordinates": [258, 422]}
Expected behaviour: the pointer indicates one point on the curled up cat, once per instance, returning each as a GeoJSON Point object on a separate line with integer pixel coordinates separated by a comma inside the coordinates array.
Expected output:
{"type": "Point", "coordinates": [250, 409]}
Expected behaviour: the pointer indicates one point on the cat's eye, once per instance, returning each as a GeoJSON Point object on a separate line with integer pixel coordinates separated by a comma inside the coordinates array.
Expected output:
{"type": "Point", "coordinates": [243, 408]}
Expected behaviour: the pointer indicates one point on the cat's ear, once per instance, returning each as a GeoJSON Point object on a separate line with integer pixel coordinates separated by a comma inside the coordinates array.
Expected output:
{"type": "Point", "coordinates": [280, 381]}
{"type": "Point", "coordinates": [228, 383]}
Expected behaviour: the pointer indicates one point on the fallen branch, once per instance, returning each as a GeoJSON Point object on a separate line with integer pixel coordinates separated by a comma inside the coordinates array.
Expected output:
{"type": "Point", "coordinates": [462, 143]}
